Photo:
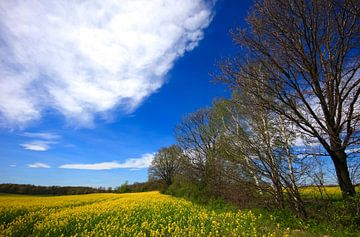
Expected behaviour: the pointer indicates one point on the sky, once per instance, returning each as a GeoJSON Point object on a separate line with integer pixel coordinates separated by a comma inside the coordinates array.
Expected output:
{"type": "Point", "coordinates": [90, 90]}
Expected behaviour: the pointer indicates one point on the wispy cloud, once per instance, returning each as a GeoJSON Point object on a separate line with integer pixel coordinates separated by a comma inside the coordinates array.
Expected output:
{"type": "Point", "coordinates": [39, 165]}
{"type": "Point", "coordinates": [41, 135]}
{"type": "Point", "coordinates": [40, 145]}
{"type": "Point", "coordinates": [83, 58]}
{"type": "Point", "coordinates": [134, 163]}
{"type": "Point", "coordinates": [37, 145]}
{"type": "Point", "coordinates": [95, 166]}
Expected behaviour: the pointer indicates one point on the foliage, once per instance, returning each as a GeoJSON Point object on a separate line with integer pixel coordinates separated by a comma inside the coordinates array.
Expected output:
{"type": "Point", "coordinates": [189, 190]}
{"type": "Point", "coordinates": [123, 188]}
{"type": "Point", "coordinates": [166, 164]}
{"type": "Point", "coordinates": [151, 185]}
{"type": "Point", "coordinates": [328, 213]}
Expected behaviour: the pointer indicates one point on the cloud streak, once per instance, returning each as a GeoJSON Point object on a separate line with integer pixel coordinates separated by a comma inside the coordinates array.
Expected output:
{"type": "Point", "coordinates": [134, 163]}
{"type": "Point", "coordinates": [40, 145]}
{"type": "Point", "coordinates": [39, 165]}
{"type": "Point", "coordinates": [37, 145]}
{"type": "Point", "coordinates": [85, 58]}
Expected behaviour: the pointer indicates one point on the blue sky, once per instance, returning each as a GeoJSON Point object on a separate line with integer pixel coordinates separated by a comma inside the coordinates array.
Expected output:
{"type": "Point", "coordinates": [88, 95]}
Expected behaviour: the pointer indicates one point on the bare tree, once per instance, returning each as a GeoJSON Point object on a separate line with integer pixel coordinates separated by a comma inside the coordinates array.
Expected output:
{"type": "Point", "coordinates": [305, 54]}
{"type": "Point", "coordinates": [230, 119]}
{"type": "Point", "coordinates": [198, 136]}
{"type": "Point", "coordinates": [294, 168]}
{"type": "Point", "coordinates": [166, 164]}
{"type": "Point", "coordinates": [250, 144]}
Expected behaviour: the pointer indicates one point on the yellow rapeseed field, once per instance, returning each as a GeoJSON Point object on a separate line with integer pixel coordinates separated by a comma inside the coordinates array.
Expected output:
{"type": "Point", "coordinates": [134, 214]}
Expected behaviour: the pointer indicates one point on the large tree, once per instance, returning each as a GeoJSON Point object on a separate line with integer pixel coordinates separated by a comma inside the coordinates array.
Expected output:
{"type": "Point", "coordinates": [305, 54]}
{"type": "Point", "coordinates": [198, 136]}
{"type": "Point", "coordinates": [166, 164]}
{"type": "Point", "coordinates": [260, 142]}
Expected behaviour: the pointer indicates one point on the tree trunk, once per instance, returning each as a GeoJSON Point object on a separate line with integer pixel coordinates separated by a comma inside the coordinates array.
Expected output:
{"type": "Point", "coordinates": [300, 206]}
{"type": "Point", "coordinates": [279, 194]}
{"type": "Point", "coordinates": [342, 173]}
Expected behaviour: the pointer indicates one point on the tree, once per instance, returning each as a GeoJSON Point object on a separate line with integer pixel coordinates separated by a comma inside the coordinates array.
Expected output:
{"type": "Point", "coordinates": [166, 164]}
{"type": "Point", "coordinates": [233, 132]}
{"type": "Point", "coordinates": [305, 55]}
{"type": "Point", "coordinates": [198, 135]}
{"type": "Point", "coordinates": [261, 142]}
{"type": "Point", "coordinates": [123, 188]}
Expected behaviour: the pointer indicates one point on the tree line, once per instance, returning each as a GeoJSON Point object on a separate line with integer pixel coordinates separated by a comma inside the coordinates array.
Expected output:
{"type": "Point", "coordinates": [49, 190]}
{"type": "Point", "coordinates": [293, 112]}
{"type": "Point", "coordinates": [75, 190]}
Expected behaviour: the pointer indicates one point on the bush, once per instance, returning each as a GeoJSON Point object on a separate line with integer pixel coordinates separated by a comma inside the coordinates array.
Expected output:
{"type": "Point", "coordinates": [124, 188]}
{"type": "Point", "coordinates": [188, 190]}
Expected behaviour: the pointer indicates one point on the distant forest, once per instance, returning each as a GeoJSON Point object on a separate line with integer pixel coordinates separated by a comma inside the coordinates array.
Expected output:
{"type": "Point", "coordinates": [74, 190]}
{"type": "Point", "coordinates": [48, 190]}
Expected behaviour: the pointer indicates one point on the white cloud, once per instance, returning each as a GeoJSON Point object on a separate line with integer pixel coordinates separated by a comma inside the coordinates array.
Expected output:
{"type": "Point", "coordinates": [299, 141]}
{"type": "Point", "coordinates": [40, 145]}
{"type": "Point", "coordinates": [137, 163]}
{"type": "Point", "coordinates": [302, 140]}
{"type": "Point", "coordinates": [83, 58]}
{"type": "Point", "coordinates": [353, 150]}
{"type": "Point", "coordinates": [39, 165]}
{"type": "Point", "coordinates": [134, 163]}
{"type": "Point", "coordinates": [41, 135]}
{"type": "Point", "coordinates": [37, 145]}
{"type": "Point", "coordinates": [95, 166]}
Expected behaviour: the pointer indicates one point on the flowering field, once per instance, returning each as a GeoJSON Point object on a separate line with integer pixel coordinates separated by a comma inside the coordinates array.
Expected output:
{"type": "Point", "coordinates": [135, 214]}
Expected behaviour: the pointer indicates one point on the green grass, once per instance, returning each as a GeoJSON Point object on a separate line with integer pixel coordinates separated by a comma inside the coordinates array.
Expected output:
{"type": "Point", "coordinates": [328, 212]}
